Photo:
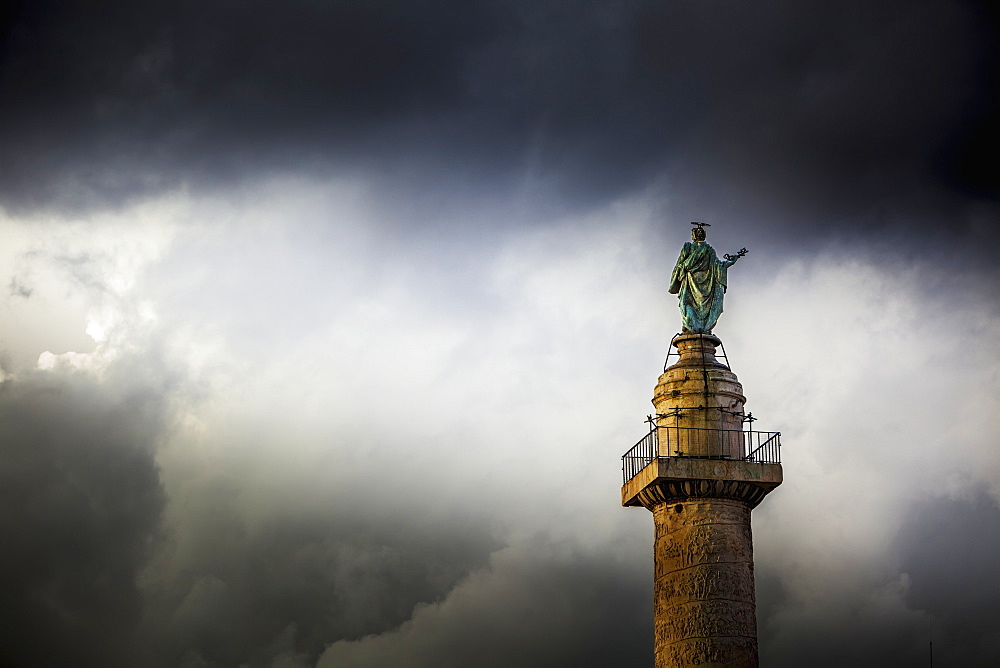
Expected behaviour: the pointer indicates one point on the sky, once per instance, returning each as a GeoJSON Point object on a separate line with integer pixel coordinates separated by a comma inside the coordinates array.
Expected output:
{"type": "Point", "coordinates": [326, 324]}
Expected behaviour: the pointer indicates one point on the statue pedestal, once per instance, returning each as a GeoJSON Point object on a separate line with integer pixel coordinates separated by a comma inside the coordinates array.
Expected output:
{"type": "Point", "coordinates": [695, 394]}
{"type": "Point", "coordinates": [697, 350]}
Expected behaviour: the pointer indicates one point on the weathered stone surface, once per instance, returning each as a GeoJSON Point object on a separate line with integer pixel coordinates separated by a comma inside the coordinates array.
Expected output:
{"type": "Point", "coordinates": [671, 478]}
{"type": "Point", "coordinates": [710, 653]}
{"type": "Point", "coordinates": [723, 580]}
{"type": "Point", "coordinates": [700, 619]}
{"type": "Point", "coordinates": [702, 393]}
{"type": "Point", "coordinates": [703, 584]}
{"type": "Point", "coordinates": [672, 490]}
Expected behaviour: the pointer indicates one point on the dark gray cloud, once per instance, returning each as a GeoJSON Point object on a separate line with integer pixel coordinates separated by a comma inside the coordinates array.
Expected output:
{"type": "Point", "coordinates": [799, 117]}
{"type": "Point", "coordinates": [98, 573]}
{"type": "Point", "coordinates": [949, 548]}
{"type": "Point", "coordinates": [95, 575]}
{"type": "Point", "coordinates": [235, 591]}
{"type": "Point", "coordinates": [937, 583]}
{"type": "Point", "coordinates": [540, 602]}
{"type": "Point", "coordinates": [81, 503]}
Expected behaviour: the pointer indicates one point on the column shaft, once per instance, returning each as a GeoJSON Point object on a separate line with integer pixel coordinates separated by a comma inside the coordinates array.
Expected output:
{"type": "Point", "coordinates": [703, 584]}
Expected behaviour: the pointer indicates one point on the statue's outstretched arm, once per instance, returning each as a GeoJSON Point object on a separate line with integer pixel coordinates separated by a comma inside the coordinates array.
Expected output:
{"type": "Point", "coordinates": [731, 259]}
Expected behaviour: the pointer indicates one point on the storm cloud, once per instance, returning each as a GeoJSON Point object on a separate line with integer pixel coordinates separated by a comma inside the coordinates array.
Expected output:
{"type": "Point", "coordinates": [82, 504]}
{"type": "Point", "coordinates": [807, 118]}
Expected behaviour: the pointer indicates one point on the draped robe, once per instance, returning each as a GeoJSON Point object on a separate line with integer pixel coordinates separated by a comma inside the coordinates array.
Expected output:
{"type": "Point", "coordinates": [699, 281]}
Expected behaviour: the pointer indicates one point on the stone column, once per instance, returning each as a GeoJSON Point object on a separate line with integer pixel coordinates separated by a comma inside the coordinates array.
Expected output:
{"type": "Point", "coordinates": [700, 491]}
{"type": "Point", "coordinates": [703, 585]}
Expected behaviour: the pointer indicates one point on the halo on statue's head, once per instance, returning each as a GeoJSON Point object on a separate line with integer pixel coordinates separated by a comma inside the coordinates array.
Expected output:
{"type": "Point", "coordinates": [698, 231]}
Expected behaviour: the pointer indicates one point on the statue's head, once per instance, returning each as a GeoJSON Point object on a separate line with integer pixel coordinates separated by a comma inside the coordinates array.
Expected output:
{"type": "Point", "coordinates": [698, 234]}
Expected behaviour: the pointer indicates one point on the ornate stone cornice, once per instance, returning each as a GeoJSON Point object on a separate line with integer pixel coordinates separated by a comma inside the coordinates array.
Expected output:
{"type": "Point", "coordinates": [667, 491]}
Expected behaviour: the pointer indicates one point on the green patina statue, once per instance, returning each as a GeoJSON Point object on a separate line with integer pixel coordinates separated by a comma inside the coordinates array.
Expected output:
{"type": "Point", "coordinates": [699, 281]}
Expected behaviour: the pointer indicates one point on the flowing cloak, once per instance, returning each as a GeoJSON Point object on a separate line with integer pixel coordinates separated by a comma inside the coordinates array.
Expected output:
{"type": "Point", "coordinates": [699, 281]}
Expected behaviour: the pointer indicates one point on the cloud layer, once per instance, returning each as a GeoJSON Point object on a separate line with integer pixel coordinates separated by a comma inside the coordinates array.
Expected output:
{"type": "Point", "coordinates": [810, 119]}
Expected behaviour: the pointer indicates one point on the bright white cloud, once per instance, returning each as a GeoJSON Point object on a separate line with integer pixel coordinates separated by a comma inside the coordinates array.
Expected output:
{"type": "Point", "coordinates": [72, 283]}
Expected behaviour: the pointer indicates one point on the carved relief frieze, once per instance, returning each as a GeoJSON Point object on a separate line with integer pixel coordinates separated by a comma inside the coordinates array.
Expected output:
{"type": "Point", "coordinates": [702, 619]}
{"type": "Point", "coordinates": [729, 652]}
{"type": "Point", "coordinates": [702, 545]}
{"type": "Point", "coordinates": [731, 581]}
{"type": "Point", "coordinates": [704, 583]}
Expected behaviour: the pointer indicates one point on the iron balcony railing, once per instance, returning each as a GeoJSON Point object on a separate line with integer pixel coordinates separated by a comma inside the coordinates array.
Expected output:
{"type": "Point", "coordinates": [761, 447]}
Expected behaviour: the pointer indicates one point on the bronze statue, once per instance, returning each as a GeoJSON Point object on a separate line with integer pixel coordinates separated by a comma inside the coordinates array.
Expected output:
{"type": "Point", "coordinates": [699, 281]}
